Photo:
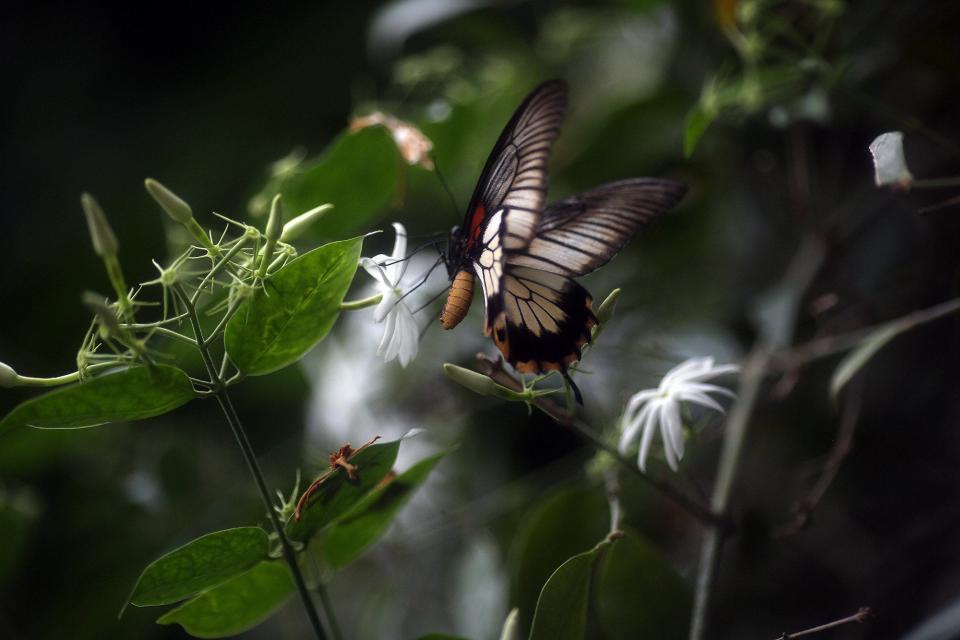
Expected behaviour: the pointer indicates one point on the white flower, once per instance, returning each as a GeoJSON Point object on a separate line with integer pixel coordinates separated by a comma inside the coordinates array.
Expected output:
{"type": "Point", "coordinates": [683, 383]}
{"type": "Point", "coordinates": [401, 335]}
{"type": "Point", "coordinates": [889, 162]}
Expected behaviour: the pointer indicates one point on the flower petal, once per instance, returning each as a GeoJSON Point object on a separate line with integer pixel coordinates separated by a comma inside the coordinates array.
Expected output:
{"type": "Point", "coordinates": [389, 336]}
{"type": "Point", "coordinates": [667, 446]}
{"type": "Point", "coordinates": [702, 399]}
{"type": "Point", "coordinates": [631, 427]}
{"type": "Point", "coordinates": [409, 334]}
{"type": "Point", "coordinates": [637, 400]}
{"type": "Point", "coordinates": [374, 269]}
{"type": "Point", "coordinates": [649, 426]}
{"type": "Point", "coordinates": [674, 429]}
{"type": "Point", "coordinates": [386, 305]}
{"type": "Point", "coordinates": [398, 264]}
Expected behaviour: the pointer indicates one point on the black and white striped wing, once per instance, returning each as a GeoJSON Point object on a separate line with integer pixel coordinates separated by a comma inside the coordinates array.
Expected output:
{"type": "Point", "coordinates": [514, 179]}
{"type": "Point", "coordinates": [582, 233]}
{"type": "Point", "coordinates": [539, 320]}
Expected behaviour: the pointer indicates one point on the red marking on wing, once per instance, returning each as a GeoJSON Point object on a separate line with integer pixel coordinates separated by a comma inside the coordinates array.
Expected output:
{"type": "Point", "coordinates": [475, 221]}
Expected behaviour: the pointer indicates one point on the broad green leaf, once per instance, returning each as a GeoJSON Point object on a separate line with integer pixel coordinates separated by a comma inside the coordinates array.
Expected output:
{"type": "Point", "coordinates": [561, 525]}
{"type": "Point", "coordinates": [295, 311]}
{"type": "Point", "coordinates": [338, 494]}
{"type": "Point", "coordinates": [134, 393]}
{"type": "Point", "coordinates": [698, 119]}
{"type": "Point", "coordinates": [358, 173]}
{"type": "Point", "coordinates": [856, 359]}
{"type": "Point", "coordinates": [202, 563]}
{"type": "Point", "coordinates": [635, 587]}
{"type": "Point", "coordinates": [362, 525]}
{"type": "Point", "coordinates": [236, 605]}
{"type": "Point", "coordinates": [565, 600]}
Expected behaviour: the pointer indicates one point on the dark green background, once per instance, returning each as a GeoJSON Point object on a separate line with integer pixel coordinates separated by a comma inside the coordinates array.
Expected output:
{"type": "Point", "coordinates": [203, 98]}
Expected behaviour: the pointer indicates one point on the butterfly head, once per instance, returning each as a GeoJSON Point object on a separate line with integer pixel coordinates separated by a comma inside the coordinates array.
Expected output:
{"type": "Point", "coordinates": [453, 257]}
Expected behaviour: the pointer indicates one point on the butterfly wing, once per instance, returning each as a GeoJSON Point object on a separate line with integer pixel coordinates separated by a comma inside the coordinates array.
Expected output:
{"type": "Point", "coordinates": [539, 317]}
{"type": "Point", "coordinates": [583, 232]}
{"type": "Point", "coordinates": [514, 179]}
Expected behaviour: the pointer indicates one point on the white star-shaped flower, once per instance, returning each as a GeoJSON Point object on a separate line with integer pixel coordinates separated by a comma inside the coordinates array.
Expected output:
{"type": "Point", "coordinates": [661, 406]}
{"type": "Point", "coordinates": [401, 336]}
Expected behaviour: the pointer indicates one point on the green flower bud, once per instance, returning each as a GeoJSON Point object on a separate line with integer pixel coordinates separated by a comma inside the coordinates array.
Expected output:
{"type": "Point", "coordinates": [275, 221]}
{"type": "Point", "coordinates": [170, 202]}
{"type": "Point", "coordinates": [607, 307]}
{"type": "Point", "coordinates": [482, 384]}
{"type": "Point", "coordinates": [104, 241]}
{"type": "Point", "coordinates": [8, 377]}
{"type": "Point", "coordinates": [295, 228]}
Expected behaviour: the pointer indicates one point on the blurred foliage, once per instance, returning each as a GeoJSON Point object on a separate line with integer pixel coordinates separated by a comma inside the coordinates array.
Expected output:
{"type": "Point", "coordinates": [773, 102]}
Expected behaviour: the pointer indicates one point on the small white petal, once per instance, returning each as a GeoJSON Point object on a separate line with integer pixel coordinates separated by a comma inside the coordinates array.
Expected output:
{"type": "Point", "coordinates": [374, 269]}
{"type": "Point", "coordinates": [674, 429]}
{"type": "Point", "coordinates": [409, 334]}
{"type": "Point", "coordinates": [701, 399]}
{"type": "Point", "coordinates": [389, 330]}
{"type": "Point", "coordinates": [633, 425]}
{"type": "Point", "coordinates": [704, 387]}
{"type": "Point", "coordinates": [386, 305]}
{"type": "Point", "coordinates": [398, 266]}
{"type": "Point", "coordinates": [714, 372]}
{"type": "Point", "coordinates": [638, 400]}
{"type": "Point", "coordinates": [889, 162]}
{"type": "Point", "coordinates": [667, 446]}
{"type": "Point", "coordinates": [649, 427]}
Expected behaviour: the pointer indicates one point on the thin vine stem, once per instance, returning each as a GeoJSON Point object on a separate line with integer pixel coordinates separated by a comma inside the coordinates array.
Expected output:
{"type": "Point", "coordinates": [236, 426]}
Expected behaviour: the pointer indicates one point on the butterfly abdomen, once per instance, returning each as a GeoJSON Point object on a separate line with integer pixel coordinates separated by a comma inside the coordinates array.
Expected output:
{"type": "Point", "coordinates": [458, 300]}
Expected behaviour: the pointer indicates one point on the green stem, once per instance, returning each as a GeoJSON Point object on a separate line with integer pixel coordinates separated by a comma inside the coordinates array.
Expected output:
{"type": "Point", "coordinates": [231, 311]}
{"type": "Point", "coordinates": [233, 419]}
{"type": "Point", "coordinates": [217, 268]}
{"type": "Point", "coordinates": [328, 609]}
{"type": "Point", "coordinates": [173, 335]}
{"type": "Point", "coordinates": [356, 305]}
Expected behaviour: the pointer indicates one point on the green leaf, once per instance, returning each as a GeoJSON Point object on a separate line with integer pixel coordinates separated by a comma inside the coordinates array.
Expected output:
{"type": "Point", "coordinates": [856, 359]}
{"type": "Point", "coordinates": [563, 524]}
{"type": "Point", "coordinates": [338, 494]}
{"type": "Point", "coordinates": [565, 600]}
{"type": "Point", "coordinates": [358, 173]}
{"type": "Point", "coordinates": [698, 120]}
{"type": "Point", "coordinates": [362, 525]}
{"type": "Point", "coordinates": [236, 605]}
{"type": "Point", "coordinates": [202, 563]}
{"type": "Point", "coordinates": [295, 311]}
{"type": "Point", "coordinates": [134, 393]}
{"type": "Point", "coordinates": [635, 587]}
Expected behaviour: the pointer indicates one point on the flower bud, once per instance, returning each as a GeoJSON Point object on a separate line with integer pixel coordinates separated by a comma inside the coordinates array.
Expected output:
{"type": "Point", "coordinates": [275, 221]}
{"type": "Point", "coordinates": [295, 228]}
{"type": "Point", "coordinates": [170, 202]}
{"type": "Point", "coordinates": [104, 241]}
{"type": "Point", "coordinates": [476, 382]}
{"type": "Point", "coordinates": [482, 384]}
{"type": "Point", "coordinates": [607, 307]}
{"type": "Point", "coordinates": [8, 377]}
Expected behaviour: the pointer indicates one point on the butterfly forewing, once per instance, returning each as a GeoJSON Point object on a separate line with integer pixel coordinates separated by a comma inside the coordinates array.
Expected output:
{"type": "Point", "coordinates": [514, 179]}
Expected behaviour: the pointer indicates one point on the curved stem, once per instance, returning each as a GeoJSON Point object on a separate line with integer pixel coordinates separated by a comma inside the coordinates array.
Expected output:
{"type": "Point", "coordinates": [356, 305]}
{"type": "Point", "coordinates": [233, 419]}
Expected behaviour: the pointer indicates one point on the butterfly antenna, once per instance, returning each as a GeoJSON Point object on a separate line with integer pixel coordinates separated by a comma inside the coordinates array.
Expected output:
{"type": "Point", "coordinates": [446, 187]}
{"type": "Point", "coordinates": [431, 300]}
{"type": "Point", "coordinates": [429, 243]}
{"type": "Point", "coordinates": [422, 281]}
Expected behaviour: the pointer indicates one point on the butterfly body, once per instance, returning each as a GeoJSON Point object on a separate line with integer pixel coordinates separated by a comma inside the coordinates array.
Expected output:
{"type": "Point", "coordinates": [525, 253]}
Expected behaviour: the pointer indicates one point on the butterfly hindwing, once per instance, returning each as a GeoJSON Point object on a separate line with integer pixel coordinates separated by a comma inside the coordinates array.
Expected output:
{"type": "Point", "coordinates": [583, 232]}
{"type": "Point", "coordinates": [539, 320]}
{"type": "Point", "coordinates": [514, 179]}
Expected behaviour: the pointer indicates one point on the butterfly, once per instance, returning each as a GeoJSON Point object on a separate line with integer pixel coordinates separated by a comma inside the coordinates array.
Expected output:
{"type": "Point", "coordinates": [526, 253]}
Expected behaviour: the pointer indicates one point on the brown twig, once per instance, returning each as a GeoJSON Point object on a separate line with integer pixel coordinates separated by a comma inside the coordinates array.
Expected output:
{"type": "Point", "coordinates": [859, 617]}
{"type": "Point", "coordinates": [559, 413]}
{"type": "Point", "coordinates": [339, 459]}
{"type": "Point", "coordinates": [804, 507]}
